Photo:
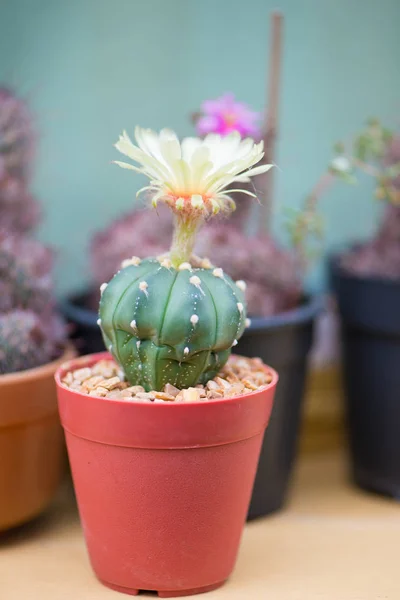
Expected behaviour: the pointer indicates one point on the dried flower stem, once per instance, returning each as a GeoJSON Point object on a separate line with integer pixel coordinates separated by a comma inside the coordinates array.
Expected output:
{"type": "Point", "coordinates": [271, 117]}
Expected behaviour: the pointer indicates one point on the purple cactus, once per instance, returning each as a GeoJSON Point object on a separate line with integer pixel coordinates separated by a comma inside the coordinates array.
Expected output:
{"type": "Point", "coordinates": [25, 280]}
{"type": "Point", "coordinates": [16, 137]}
{"type": "Point", "coordinates": [28, 340]}
{"type": "Point", "coordinates": [18, 209]}
{"type": "Point", "coordinates": [380, 256]}
{"type": "Point", "coordinates": [271, 272]}
{"type": "Point", "coordinates": [136, 233]}
{"type": "Point", "coordinates": [31, 332]}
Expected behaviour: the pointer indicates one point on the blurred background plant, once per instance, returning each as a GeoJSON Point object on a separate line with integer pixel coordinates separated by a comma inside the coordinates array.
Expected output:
{"type": "Point", "coordinates": [31, 332]}
{"type": "Point", "coordinates": [375, 151]}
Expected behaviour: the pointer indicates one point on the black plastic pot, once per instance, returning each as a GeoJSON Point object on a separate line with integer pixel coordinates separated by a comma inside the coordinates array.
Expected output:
{"type": "Point", "coordinates": [370, 314]}
{"type": "Point", "coordinates": [282, 341]}
{"type": "Point", "coordinates": [85, 332]}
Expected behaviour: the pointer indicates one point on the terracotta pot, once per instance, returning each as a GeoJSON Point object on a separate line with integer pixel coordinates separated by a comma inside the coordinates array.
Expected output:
{"type": "Point", "coordinates": [163, 489]}
{"type": "Point", "coordinates": [31, 443]}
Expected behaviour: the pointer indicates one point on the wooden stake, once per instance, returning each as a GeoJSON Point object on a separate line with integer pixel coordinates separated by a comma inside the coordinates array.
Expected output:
{"type": "Point", "coordinates": [272, 113]}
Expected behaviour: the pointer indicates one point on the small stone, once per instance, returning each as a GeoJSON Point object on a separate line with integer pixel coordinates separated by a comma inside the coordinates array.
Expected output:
{"type": "Point", "coordinates": [214, 394]}
{"type": "Point", "coordinates": [114, 395]}
{"type": "Point", "coordinates": [249, 384]}
{"type": "Point", "coordinates": [110, 384]}
{"type": "Point", "coordinates": [99, 391]}
{"type": "Point", "coordinates": [171, 390]}
{"type": "Point", "coordinates": [236, 389]}
{"type": "Point", "coordinates": [257, 362]}
{"type": "Point", "coordinates": [82, 374]}
{"type": "Point", "coordinates": [106, 368]}
{"type": "Point", "coordinates": [75, 385]}
{"type": "Point", "coordinates": [145, 396]}
{"type": "Point", "coordinates": [126, 393]}
{"type": "Point", "coordinates": [92, 382]}
{"type": "Point", "coordinates": [164, 396]}
{"type": "Point", "coordinates": [212, 385]}
{"type": "Point", "coordinates": [191, 395]}
{"type": "Point", "coordinates": [68, 379]}
{"type": "Point", "coordinates": [135, 389]}
{"type": "Point", "coordinates": [231, 377]}
{"type": "Point", "coordinates": [222, 382]}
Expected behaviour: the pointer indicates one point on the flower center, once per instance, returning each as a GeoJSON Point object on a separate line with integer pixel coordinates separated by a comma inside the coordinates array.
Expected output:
{"type": "Point", "coordinates": [230, 119]}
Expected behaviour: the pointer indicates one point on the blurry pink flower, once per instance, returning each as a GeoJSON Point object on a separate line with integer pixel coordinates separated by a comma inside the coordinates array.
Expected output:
{"type": "Point", "coordinates": [224, 115]}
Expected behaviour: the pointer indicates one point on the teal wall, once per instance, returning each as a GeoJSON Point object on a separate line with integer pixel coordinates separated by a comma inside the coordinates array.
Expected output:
{"type": "Point", "coordinates": [93, 67]}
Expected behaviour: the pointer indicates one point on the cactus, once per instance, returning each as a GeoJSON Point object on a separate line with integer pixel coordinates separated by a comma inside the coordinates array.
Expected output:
{"type": "Point", "coordinates": [19, 211]}
{"type": "Point", "coordinates": [174, 319]}
{"type": "Point", "coordinates": [16, 137]}
{"type": "Point", "coordinates": [25, 280]}
{"type": "Point", "coordinates": [28, 340]}
{"type": "Point", "coordinates": [31, 332]}
{"type": "Point", "coordinates": [165, 325]}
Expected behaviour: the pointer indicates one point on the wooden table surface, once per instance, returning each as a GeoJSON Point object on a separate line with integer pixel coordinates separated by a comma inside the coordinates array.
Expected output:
{"type": "Point", "coordinates": [333, 542]}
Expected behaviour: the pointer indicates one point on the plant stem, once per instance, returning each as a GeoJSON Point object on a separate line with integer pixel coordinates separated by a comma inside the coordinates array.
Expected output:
{"type": "Point", "coordinates": [186, 227]}
{"type": "Point", "coordinates": [368, 169]}
{"type": "Point", "coordinates": [310, 205]}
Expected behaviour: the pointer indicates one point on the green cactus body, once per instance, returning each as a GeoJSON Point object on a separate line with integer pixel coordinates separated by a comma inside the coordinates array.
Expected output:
{"type": "Point", "coordinates": [166, 325]}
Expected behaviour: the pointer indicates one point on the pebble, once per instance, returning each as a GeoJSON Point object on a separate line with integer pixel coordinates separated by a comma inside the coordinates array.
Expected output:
{"type": "Point", "coordinates": [171, 390]}
{"type": "Point", "coordinates": [239, 376]}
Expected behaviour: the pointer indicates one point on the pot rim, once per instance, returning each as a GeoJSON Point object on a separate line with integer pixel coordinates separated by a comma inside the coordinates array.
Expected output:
{"type": "Point", "coordinates": [311, 306]}
{"type": "Point", "coordinates": [40, 372]}
{"type": "Point", "coordinates": [91, 359]}
{"type": "Point", "coordinates": [338, 270]}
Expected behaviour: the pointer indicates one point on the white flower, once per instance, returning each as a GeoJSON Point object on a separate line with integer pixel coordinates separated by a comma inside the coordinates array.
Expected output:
{"type": "Point", "coordinates": [341, 164]}
{"type": "Point", "coordinates": [193, 174]}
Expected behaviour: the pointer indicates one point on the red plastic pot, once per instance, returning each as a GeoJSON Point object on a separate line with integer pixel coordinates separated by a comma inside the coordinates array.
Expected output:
{"type": "Point", "coordinates": [163, 489]}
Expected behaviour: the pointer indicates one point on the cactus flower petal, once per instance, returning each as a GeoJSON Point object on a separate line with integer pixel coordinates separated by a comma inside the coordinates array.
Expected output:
{"type": "Point", "coordinates": [195, 173]}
